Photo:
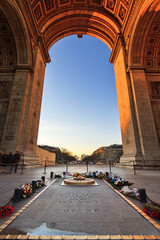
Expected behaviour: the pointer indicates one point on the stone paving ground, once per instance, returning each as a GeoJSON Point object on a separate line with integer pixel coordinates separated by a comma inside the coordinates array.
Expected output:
{"type": "Point", "coordinates": [81, 209]}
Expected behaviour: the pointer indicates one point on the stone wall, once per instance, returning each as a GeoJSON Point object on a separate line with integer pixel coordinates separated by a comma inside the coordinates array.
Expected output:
{"type": "Point", "coordinates": [45, 155]}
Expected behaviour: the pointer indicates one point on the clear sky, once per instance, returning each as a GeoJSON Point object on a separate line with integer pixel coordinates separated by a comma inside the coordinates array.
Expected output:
{"type": "Point", "coordinates": [79, 106]}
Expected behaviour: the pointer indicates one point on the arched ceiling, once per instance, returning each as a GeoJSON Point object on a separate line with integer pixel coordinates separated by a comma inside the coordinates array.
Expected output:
{"type": "Point", "coordinates": [56, 19]}
{"type": "Point", "coordinates": [44, 9]}
{"type": "Point", "coordinates": [8, 55]}
{"type": "Point", "coordinates": [145, 42]}
{"type": "Point", "coordinates": [109, 20]}
{"type": "Point", "coordinates": [152, 45]}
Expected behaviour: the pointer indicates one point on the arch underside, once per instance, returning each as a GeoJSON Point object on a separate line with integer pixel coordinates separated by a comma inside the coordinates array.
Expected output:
{"type": "Point", "coordinates": [100, 18]}
{"type": "Point", "coordinates": [144, 54]}
{"type": "Point", "coordinates": [75, 24]}
{"type": "Point", "coordinates": [145, 41]}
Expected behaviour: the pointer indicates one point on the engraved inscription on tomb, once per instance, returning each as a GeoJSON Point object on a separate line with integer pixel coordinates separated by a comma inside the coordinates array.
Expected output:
{"type": "Point", "coordinates": [79, 198]}
{"type": "Point", "coordinates": [88, 201]}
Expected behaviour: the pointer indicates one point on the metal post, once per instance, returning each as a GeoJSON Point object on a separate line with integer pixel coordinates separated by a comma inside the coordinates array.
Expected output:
{"type": "Point", "coordinates": [87, 166]}
{"type": "Point", "coordinates": [51, 174]}
{"type": "Point", "coordinates": [66, 166]}
{"type": "Point", "coordinates": [45, 165]}
{"type": "Point", "coordinates": [134, 168]}
{"type": "Point", "coordinates": [110, 167]}
{"type": "Point", "coordinates": [22, 166]}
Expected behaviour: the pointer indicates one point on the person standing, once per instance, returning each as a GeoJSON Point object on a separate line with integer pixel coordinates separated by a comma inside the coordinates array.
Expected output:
{"type": "Point", "coordinates": [4, 162]}
{"type": "Point", "coordinates": [9, 163]}
{"type": "Point", "coordinates": [1, 159]}
{"type": "Point", "coordinates": [16, 160]}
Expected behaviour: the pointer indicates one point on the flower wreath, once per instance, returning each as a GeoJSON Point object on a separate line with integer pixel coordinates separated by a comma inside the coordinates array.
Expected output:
{"type": "Point", "coordinates": [152, 214]}
{"type": "Point", "coordinates": [5, 211]}
{"type": "Point", "coordinates": [39, 183]}
{"type": "Point", "coordinates": [26, 190]}
{"type": "Point", "coordinates": [152, 210]}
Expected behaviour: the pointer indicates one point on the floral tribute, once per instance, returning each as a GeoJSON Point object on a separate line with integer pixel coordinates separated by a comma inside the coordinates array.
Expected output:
{"type": "Point", "coordinates": [5, 211]}
{"type": "Point", "coordinates": [78, 175]}
{"type": "Point", "coordinates": [117, 181]}
{"type": "Point", "coordinates": [39, 183]}
{"type": "Point", "coordinates": [152, 210]}
{"type": "Point", "coordinates": [131, 192]}
{"type": "Point", "coordinates": [101, 175]}
{"type": "Point", "coordinates": [26, 190]}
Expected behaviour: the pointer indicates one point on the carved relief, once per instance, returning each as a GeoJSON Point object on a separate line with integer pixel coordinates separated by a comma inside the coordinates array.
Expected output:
{"type": "Point", "coordinates": [42, 9]}
{"type": "Point", "coordinates": [98, 2]}
{"type": "Point", "coordinates": [38, 12]}
{"type": "Point", "coordinates": [7, 45]}
{"type": "Point", "coordinates": [7, 61]}
{"type": "Point", "coordinates": [122, 12]}
{"type": "Point", "coordinates": [4, 28]}
{"type": "Point", "coordinates": [3, 111]}
{"type": "Point", "coordinates": [158, 64]}
{"type": "Point", "coordinates": [148, 63]}
{"type": "Point", "coordinates": [155, 89]}
{"type": "Point", "coordinates": [111, 4]}
{"type": "Point", "coordinates": [5, 89]}
{"type": "Point", "coordinates": [12, 122]}
{"type": "Point", "coordinates": [49, 4]}
{"type": "Point", "coordinates": [152, 46]}
{"type": "Point", "coordinates": [154, 5]}
{"type": "Point", "coordinates": [62, 2]}
{"type": "Point", "coordinates": [80, 1]}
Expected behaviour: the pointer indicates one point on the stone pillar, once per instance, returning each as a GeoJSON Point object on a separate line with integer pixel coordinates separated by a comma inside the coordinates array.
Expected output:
{"type": "Point", "coordinates": [146, 123]}
{"type": "Point", "coordinates": [138, 129]}
{"type": "Point", "coordinates": [16, 110]}
{"type": "Point", "coordinates": [22, 122]}
{"type": "Point", "coordinates": [128, 122]}
{"type": "Point", "coordinates": [28, 141]}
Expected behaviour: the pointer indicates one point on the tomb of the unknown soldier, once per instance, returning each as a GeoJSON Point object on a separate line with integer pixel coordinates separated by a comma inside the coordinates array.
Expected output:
{"type": "Point", "coordinates": [100, 202]}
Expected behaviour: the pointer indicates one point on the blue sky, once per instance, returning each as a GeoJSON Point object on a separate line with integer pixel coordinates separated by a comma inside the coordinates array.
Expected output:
{"type": "Point", "coordinates": [79, 106]}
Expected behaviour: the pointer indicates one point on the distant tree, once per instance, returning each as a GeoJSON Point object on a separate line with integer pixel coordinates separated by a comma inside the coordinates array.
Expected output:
{"type": "Point", "coordinates": [90, 158]}
{"type": "Point", "coordinates": [67, 156]}
{"type": "Point", "coordinates": [62, 155]}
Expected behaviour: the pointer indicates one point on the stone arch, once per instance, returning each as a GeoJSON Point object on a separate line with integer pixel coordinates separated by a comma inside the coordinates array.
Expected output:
{"type": "Point", "coordinates": [8, 60]}
{"type": "Point", "coordinates": [19, 31]}
{"type": "Point", "coordinates": [147, 17]}
{"type": "Point", "coordinates": [16, 58]}
{"type": "Point", "coordinates": [143, 69]}
{"type": "Point", "coordinates": [90, 23]}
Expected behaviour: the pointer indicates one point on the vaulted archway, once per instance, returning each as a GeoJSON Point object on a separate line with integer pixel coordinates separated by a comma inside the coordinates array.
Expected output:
{"type": "Point", "coordinates": [129, 28]}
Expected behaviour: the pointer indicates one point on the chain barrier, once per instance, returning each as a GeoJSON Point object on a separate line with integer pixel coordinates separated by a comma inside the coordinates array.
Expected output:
{"type": "Point", "coordinates": [22, 166]}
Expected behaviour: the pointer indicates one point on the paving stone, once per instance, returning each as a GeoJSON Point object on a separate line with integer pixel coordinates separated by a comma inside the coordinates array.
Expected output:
{"type": "Point", "coordinates": [95, 209]}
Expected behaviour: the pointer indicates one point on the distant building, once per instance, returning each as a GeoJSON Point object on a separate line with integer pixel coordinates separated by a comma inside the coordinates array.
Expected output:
{"type": "Point", "coordinates": [109, 153]}
{"type": "Point", "coordinates": [114, 152]}
{"type": "Point", "coordinates": [45, 155]}
{"type": "Point", "coordinates": [52, 149]}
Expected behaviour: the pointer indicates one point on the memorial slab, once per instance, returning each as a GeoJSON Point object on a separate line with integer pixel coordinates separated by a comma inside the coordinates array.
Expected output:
{"type": "Point", "coordinates": [90, 210]}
